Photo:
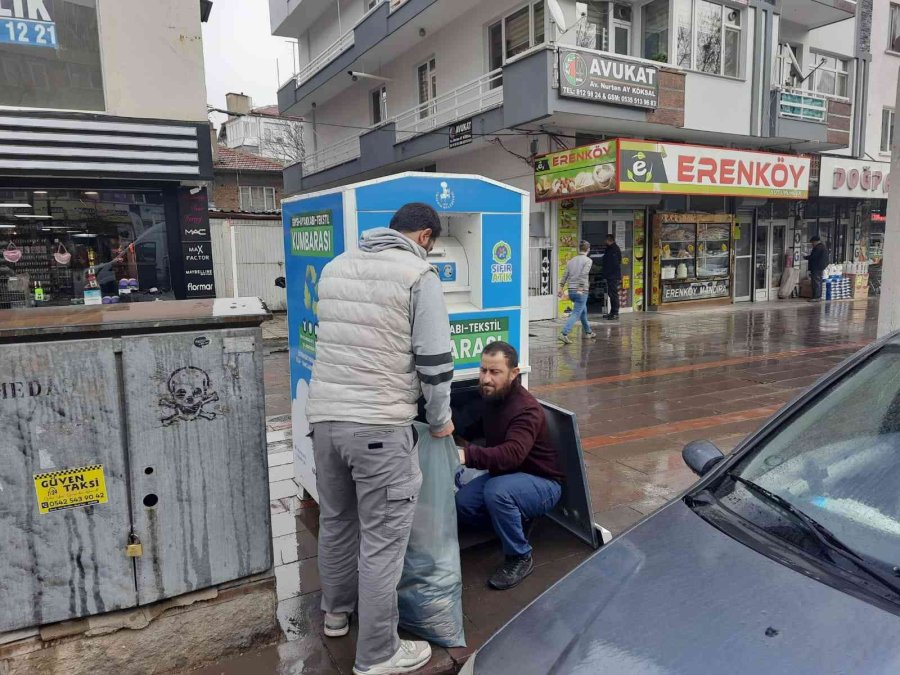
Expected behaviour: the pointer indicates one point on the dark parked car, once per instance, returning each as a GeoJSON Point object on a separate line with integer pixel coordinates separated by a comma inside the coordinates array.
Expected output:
{"type": "Point", "coordinates": [783, 558]}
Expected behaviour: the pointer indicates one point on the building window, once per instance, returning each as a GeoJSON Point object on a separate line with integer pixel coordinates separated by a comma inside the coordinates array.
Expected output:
{"type": "Point", "coordinates": [515, 33]}
{"type": "Point", "coordinates": [709, 38]}
{"type": "Point", "coordinates": [605, 26]}
{"type": "Point", "coordinates": [379, 105]}
{"type": "Point", "coordinates": [427, 76]}
{"type": "Point", "coordinates": [830, 75]}
{"type": "Point", "coordinates": [894, 38]}
{"type": "Point", "coordinates": [887, 129]}
{"type": "Point", "coordinates": [257, 199]}
{"type": "Point", "coordinates": [787, 67]}
{"type": "Point", "coordinates": [372, 4]}
{"type": "Point", "coordinates": [656, 30]}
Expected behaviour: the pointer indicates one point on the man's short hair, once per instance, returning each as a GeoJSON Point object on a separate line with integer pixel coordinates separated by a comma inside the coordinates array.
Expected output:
{"type": "Point", "coordinates": [815, 239]}
{"type": "Point", "coordinates": [610, 237]}
{"type": "Point", "coordinates": [415, 217]}
{"type": "Point", "coordinates": [508, 351]}
{"type": "Point", "coordinates": [584, 246]}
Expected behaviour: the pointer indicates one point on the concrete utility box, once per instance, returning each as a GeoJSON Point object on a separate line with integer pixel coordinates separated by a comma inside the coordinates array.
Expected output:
{"type": "Point", "coordinates": [132, 455]}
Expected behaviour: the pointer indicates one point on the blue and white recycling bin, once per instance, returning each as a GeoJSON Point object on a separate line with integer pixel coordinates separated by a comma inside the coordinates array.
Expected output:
{"type": "Point", "coordinates": [481, 257]}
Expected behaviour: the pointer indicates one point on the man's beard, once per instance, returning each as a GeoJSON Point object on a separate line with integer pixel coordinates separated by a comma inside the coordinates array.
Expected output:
{"type": "Point", "coordinates": [495, 394]}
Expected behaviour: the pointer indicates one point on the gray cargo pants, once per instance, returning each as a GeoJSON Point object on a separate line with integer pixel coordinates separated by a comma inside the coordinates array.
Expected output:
{"type": "Point", "coordinates": [368, 480]}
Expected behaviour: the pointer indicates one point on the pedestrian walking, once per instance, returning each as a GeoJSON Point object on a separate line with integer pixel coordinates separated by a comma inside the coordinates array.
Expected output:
{"type": "Point", "coordinates": [817, 261]}
{"type": "Point", "coordinates": [383, 339]}
{"type": "Point", "coordinates": [611, 271]}
{"type": "Point", "coordinates": [577, 278]}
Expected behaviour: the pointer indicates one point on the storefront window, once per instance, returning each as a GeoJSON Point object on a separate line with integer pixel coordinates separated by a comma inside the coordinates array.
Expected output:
{"type": "Point", "coordinates": [63, 247]}
{"type": "Point", "coordinates": [50, 55]}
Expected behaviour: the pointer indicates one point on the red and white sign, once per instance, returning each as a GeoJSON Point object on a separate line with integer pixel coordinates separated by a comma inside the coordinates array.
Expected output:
{"type": "Point", "coordinates": [675, 168]}
{"type": "Point", "coordinates": [844, 177]}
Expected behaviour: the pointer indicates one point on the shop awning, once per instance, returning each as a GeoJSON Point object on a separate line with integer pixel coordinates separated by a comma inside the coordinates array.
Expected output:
{"type": "Point", "coordinates": [626, 166]}
{"type": "Point", "coordinates": [99, 146]}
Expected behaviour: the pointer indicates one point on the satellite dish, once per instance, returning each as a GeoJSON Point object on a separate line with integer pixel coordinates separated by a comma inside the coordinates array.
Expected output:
{"type": "Point", "coordinates": [557, 14]}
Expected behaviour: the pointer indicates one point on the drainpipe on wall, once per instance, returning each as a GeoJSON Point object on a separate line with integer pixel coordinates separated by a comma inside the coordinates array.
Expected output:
{"type": "Point", "coordinates": [759, 62]}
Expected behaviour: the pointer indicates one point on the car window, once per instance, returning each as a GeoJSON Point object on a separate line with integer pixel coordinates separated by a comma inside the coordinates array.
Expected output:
{"type": "Point", "coordinates": [838, 460]}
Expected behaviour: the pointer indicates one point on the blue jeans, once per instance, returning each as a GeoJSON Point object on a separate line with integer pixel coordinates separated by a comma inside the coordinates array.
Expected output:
{"type": "Point", "coordinates": [503, 502]}
{"type": "Point", "coordinates": [578, 312]}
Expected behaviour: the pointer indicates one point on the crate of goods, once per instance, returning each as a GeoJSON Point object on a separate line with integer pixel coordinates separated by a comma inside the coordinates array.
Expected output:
{"type": "Point", "coordinates": [859, 284]}
{"type": "Point", "coordinates": [838, 288]}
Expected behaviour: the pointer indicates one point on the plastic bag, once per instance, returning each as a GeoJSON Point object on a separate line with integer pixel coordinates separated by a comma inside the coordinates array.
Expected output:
{"type": "Point", "coordinates": [430, 591]}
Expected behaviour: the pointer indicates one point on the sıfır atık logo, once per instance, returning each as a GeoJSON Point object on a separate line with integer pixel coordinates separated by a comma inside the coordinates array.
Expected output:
{"type": "Point", "coordinates": [502, 269]}
{"type": "Point", "coordinates": [575, 69]}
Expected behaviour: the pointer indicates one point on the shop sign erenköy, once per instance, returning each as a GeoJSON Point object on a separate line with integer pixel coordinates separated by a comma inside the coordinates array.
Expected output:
{"type": "Point", "coordinates": [674, 168]}
{"type": "Point", "coordinates": [695, 290]}
{"type": "Point", "coordinates": [588, 170]}
{"type": "Point", "coordinates": [594, 76]}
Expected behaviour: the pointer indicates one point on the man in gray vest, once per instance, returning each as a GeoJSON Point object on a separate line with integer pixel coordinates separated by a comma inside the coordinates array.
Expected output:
{"type": "Point", "coordinates": [383, 340]}
{"type": "Point", "coordinates": [577, 278]}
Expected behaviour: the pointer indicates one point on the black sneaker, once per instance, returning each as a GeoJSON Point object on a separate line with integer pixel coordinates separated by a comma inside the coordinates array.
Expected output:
{"type": "Point", "coordinates": [612, 317]}
{"type": "Point", "coordinates": [512, 572]}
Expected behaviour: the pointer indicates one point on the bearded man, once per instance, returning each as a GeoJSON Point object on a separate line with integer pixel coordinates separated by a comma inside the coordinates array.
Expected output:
{"type": "Point", "coordinates": [524, 480]}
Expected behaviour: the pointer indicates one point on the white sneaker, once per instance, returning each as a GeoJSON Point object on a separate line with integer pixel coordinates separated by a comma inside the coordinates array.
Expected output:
{"type": "Point", "coordinates": [411, 656]}
{"type": "Point", "coordinates": [337, 625]}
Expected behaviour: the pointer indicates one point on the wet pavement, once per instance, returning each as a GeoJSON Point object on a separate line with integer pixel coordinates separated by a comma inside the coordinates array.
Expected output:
{"type": "Point", "coordinates": [649, 384]}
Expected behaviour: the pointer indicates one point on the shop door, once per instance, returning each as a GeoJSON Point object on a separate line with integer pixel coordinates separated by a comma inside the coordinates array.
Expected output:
{"type": "Point", "coordinates": [541, 298]}
{"type": "Point", "coordinates": [743, 258]}
{"type": "Point", "coordinates": [769, 259]}
{"type": "Point", "coordinates": [595, 225]}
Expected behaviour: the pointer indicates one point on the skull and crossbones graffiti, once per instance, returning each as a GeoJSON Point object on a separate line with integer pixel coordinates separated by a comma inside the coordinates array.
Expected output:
{"type": "Point", "coordinates": [188, 391]}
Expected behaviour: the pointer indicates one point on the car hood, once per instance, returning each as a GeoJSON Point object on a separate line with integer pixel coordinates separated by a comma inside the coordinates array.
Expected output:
{"type": "Point", "coordinates": [676, 595]}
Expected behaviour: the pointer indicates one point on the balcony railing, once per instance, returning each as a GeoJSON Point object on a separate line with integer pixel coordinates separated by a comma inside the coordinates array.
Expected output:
{"type": "Point", "coordinates": [338, 47]}
{"type": "Point", "coordinates": [332, 51]}
{"type": "Point", "coordinates": [332, 155]}
{"type": "Point", "coordinates": [471, 98]}
{"type": "Point", "coordinates": [802, 105]}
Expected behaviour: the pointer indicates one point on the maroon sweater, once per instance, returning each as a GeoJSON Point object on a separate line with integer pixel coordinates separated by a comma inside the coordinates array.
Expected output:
{"type": "Point", "coordinates": [517, 439]}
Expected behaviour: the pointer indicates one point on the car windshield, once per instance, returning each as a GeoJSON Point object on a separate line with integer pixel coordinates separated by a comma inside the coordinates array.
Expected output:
{"type": "Point", "coordinates": [838, 460]}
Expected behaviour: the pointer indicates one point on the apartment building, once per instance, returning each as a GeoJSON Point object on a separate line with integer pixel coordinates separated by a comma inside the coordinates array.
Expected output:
{"type": "Point", "coordinates": [507, 89]}
{"type": "Point", "coordinates": [103, 153]}
{"type": "Point", "coordinates": [261, 131]}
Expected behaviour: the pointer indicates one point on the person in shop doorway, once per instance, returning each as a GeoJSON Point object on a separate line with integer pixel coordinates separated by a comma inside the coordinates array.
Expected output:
{"type": "Point", "coordinates": [383, 339]}
{"type": "Point", "coordinates": [577, 278]}
{"type": "Point", "coordinates": [523, 479]}
{"type": "Point", "coordinates": [611, 271]}
{"type": "Point", "coordinates": [817, 261]}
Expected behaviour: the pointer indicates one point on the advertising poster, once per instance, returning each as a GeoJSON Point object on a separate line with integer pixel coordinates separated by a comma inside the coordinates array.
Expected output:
{"type": "Point", "coordinates": [50, 55]}
{"type": "Point", "coordinates": [314, 235]}
{"type": "Point", "coordinates": [593, 76]}
{"type": "Point", "coordinates": [471, 332]}
{"type": "Point", "coordinates": [674, 168]}
{"type": "Point", "coordinates": [566, 245]}
{"type": "Point", "coordinates": [585, 171]}
{"type": "Point", "coordinates": [639, 252]}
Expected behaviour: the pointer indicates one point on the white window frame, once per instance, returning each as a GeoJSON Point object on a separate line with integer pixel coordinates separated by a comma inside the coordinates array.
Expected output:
{"type": "Point", "coordinates": [893, 7]}
{"type": "Point", "coordinates": [815, 58]}
{"type": "Point", "coordinates": [724, 28]}
{"type": "Point", "coordinates": [248, 204]}
{"type": "Point", "coordinates": [431, 90]}
{"type": "Point", "coordinates": [531, 32]}
{"type": "Point", "coordinates": [885, 147]}
{"type": "Point", "coordinates": [607, 42]}
{"type": "Point", "coordinates": [381, 90]}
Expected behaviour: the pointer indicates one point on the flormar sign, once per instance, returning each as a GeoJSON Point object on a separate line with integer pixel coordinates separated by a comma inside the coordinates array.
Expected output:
{"type": "Point", "coordinates": [674, 168]}
{"type": "Point", "coordinates": [843, 177]}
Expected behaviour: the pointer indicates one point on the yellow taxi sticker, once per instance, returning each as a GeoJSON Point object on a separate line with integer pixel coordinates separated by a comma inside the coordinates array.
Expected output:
{"type": "Point", "coordinates": [70, 488]}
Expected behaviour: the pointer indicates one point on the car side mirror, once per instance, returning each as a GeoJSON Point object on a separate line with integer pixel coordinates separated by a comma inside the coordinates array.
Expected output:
{"type": "Point", "coordinates": [701, 456]}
